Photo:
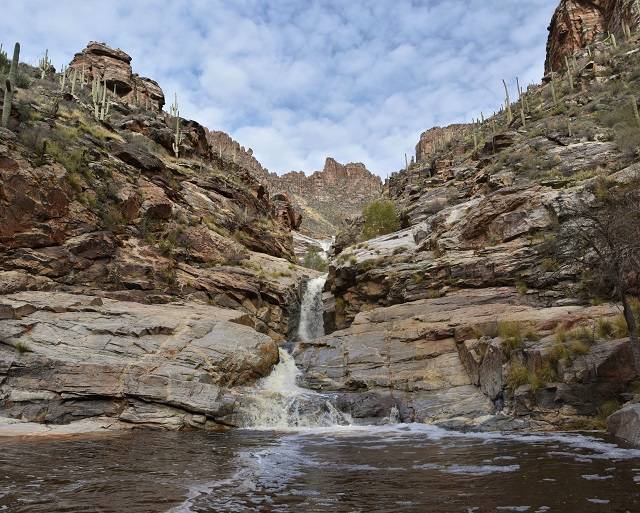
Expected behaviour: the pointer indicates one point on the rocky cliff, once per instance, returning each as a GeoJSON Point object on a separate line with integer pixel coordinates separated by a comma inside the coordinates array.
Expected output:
{"type": "Point", "coordinates": [480, 222]}
{"type": "Point", "coordinates": [138, 286]}
{"type": "Point", "coordinates": [105, 207]}
{"type": "Point", "coordinates": [577, 23]}
{"type": "Point", "coordinates": [326, 198]}
{"type": "Point", "coordinates": [436, 138]}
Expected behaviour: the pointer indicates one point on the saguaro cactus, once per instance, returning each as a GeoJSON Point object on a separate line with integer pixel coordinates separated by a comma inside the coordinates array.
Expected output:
{"type": "Point", "coordinates": [44, 64]}
{"type": "Point", "coordinates": [634, 106]}
{"type": "Point", "coordinates": [99, 97]}
{"type": "Point", "coordinates": [507, 103]}
{"type": "Point", "coordinates": [10, 85]}
{"type": "Point", "coordinates": [177, 136]}
{"type": "Point", "coordinates": [569, 72]}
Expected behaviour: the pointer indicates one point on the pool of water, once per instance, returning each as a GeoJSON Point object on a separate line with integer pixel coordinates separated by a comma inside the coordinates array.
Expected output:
{"type": "Point", "coordinates": [404, 468]}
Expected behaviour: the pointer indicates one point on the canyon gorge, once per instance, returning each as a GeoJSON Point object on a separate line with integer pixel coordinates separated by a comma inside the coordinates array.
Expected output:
{"type": "Point", "coordinates": [154, 279]}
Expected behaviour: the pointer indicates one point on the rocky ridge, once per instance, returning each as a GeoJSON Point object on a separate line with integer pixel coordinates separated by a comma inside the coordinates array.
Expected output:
{"type": "Point", "coordinates": [139, 288]}
{"type": "Point", "coordinates": [327, 197]}
{"type": "Point", "coordinates": [104, 207]}
{"type": "Point", "coordinates": [480, 220]}
{"type": "Point", "coordinates": [577, 23]}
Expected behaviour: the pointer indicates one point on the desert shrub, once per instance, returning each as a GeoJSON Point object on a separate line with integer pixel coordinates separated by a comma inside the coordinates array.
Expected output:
{"type": "Point", "coordinates": [511, 334]}
{"type": "Point", "coordinates": [112, 218]}
{"type": "Point", "coordinates": [547, 373]}
{"type": "Point", "coordinates": [608, 408]}
{"type": "Point", "coordinates": [561, 334]}
{"type": "Point", "coordinates": [620, 328]}
{"type": "Point", "coordinates": [75, 181]}
{"type": "Point", "coordinates": [519, 375]}
{"type": "Point", "coordinates": [558, 352]}
{"type": "Point", "coordinates": [579, 348]}
{"type": "Point", "coordinates": [581, 334]}
{"type": "Point", "coordinates": [627, 139]}
{"type": "Point", "coordinates": [605, 328]}
{"type": "Point", "coordinates": [489, 329]}
{"type": "Point", "coordinates": [625, 128]}
{"type": "Point", "coordinates": [21, 347]}
{"type": "Point", "coordinates": [133, 138]}
{"type": "Point", "coordinates": [380, 218]}
{"type": "Point", "coordinates": [530, 333]}
{"type": "Point", "coordinates": [313, 260]}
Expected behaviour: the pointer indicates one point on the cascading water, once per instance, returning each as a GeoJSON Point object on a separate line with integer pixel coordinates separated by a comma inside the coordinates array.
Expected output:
{"type": "Point", "coordinates": [311, 322]}
{"type": "Point", "coordinates": [278, 402]}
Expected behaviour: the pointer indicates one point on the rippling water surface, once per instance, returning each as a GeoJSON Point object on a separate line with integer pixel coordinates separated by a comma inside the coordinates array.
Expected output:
{"type": "Point", "coordinates": [407, 468]}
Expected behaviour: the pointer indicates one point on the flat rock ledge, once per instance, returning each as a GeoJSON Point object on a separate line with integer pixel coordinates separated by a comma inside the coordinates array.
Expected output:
{"type": "Point", "coordinates": [13, 428]}
{"type": "Point", "coordinates": [66, 358]}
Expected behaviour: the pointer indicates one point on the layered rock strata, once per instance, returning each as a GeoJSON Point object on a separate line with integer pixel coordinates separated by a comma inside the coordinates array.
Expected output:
{"type": "Point", "coordinates": [68, 357]}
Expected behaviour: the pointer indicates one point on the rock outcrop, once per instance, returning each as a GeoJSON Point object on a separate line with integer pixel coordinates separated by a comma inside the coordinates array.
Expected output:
{"type": "Point", "coordinates": [436, 138]}
{"type": "Point", "coordinates": [577, 23]}
{"type": "Point", "coordinates": [625, 424]}
{"type": "Point", "coordinates": [326, 198]}
{"type": "Point", "coordinates": [474, 283]}
{"type": "Point", "coordinates": [225, 147]}
{"type": "Point", "coordinates": [99, 61]}
{"type": "Point", "coordinates": [436, 361]}
{"type": "Point", "coordinates": [67, 357]}
{"type": "Point", "coordinates": [107, 209]}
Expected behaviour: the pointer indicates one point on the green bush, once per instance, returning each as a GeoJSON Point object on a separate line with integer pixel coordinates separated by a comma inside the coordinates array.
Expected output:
{"type": "Point", "coordinates": [313, 260]}
{"type": "Point", "coordinates": [380, 218]}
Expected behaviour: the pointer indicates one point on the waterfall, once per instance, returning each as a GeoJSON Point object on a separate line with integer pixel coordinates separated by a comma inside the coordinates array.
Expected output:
{"type": "Point", "coordinates": [278, 402]}
{"type": "Point", "coordinates": [311, 324]}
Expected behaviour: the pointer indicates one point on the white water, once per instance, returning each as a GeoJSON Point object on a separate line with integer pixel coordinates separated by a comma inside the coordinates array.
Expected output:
{"type": "Point", "coordinates": [278, 402]}
{"type": "Point", "coordinates": [311, 322]}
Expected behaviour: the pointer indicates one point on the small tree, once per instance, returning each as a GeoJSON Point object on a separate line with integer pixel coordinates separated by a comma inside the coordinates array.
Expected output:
{"type": "Point", "coordinates": [313, 260]}
{"type": "Point", "coordinates": [380, 218]}
{"type": "Point", "coordinates": [603, 238]}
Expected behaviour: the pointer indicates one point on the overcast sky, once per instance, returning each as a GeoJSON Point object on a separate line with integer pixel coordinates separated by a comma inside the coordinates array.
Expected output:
{"type": "Point", "coordinates": [298, 81]}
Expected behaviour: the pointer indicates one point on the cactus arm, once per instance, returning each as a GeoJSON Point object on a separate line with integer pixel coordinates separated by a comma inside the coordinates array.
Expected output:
{"type": "Point", "coordinates": [10, 86]}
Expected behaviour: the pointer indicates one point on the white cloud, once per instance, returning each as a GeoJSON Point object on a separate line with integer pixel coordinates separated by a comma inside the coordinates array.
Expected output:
{"type": "Point", "coordinates": [298, 81]}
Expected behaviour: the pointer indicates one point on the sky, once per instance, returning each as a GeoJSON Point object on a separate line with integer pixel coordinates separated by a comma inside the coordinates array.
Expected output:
{"type": "Point", "coordinates": [298, 81]}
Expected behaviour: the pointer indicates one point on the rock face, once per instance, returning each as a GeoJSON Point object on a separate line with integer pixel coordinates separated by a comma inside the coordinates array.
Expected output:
{"type": "Point", "coordinates": [98, 61]}
{"type": "Point", "coordinates": [107, 209]}
{"type": "Point", "coordinates": [577, 23]}
{"type": "Point", "coordinates": [625, 424]}
{"type": "Point", "coordinates": [326, 198]}
{"type": "Point", "coordinates": [436, 137]}
{"type": "Point", "coordinates": [67, 357]}
{"type": "Point", "coordinates": [431, 309]}
{"type": "Point", "coordinates": [424, 358]}
{"type": "Point", "coordinates": [225, 147]}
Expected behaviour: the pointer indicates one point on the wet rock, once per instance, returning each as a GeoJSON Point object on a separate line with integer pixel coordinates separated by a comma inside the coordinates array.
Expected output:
{"type": "Point", "coordinates": [625, 424]}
